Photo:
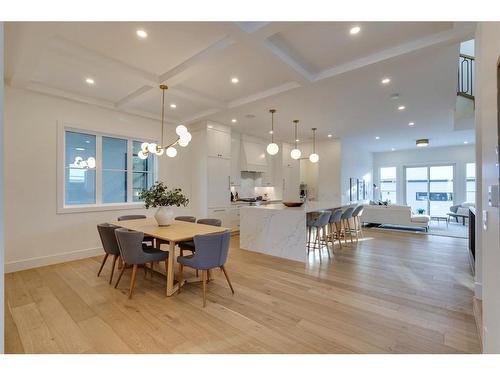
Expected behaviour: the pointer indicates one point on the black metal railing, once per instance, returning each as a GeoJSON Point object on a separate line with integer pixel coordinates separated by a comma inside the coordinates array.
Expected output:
{"type": "Point", "coordinates": [466, 67]}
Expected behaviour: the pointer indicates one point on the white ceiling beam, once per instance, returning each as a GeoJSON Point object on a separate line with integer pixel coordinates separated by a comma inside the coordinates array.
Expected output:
{"type": "Point", "coordinates": [133, 96]}
{"type": "Point", "coordinates": [178, 73]}
{"type": "Point", "coordinates": [83, 54]}
{"type": "Point", "coordinates": [414, 45]}
{"type": "Point", "coordinates": [196, 97]}
{"type": "Point", "coordinates": [264, 94]}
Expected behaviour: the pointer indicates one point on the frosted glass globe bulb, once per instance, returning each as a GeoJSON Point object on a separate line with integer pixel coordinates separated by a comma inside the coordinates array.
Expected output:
{"type": "Point", "coordinates": [314, 158]}
{"type": "Point", "coordinates": [295, 154]}
{"type": "Point", "coordinates": [272, 148]}
{"type": "Point", "coordinates": [171, 152]}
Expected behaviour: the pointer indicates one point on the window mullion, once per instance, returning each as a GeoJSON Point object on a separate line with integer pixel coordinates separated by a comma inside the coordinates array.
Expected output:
{"type": "Point", "coordinates": [98, 167]}
{"type": "Point", "coordinates": [130, 150]}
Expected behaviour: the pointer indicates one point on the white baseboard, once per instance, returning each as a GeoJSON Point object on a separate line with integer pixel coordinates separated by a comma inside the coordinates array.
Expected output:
{"type": "Point", "coordinates": [19, 265]}
{"type": "Point", "coordinates": [478, 290]}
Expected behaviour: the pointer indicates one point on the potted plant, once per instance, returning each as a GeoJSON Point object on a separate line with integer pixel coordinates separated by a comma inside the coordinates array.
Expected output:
{"type": "Point", "coordinates": [420, 211]}
{"type": "Point", "coordinates": [159, 196]}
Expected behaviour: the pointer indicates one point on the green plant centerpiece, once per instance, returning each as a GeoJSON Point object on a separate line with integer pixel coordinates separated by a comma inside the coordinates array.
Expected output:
{"type": "Point", "coordinates": [160, 196]}
{"type": "Point", "coordinates": [420, 211]}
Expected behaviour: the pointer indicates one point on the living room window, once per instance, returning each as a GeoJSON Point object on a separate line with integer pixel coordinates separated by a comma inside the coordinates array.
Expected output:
{"type": "Point", "coordinates": [388, 184]}
{"type": "Point", "coordinates": [470, 182]}
{"type": "Point", "coordinates": [101, 172]}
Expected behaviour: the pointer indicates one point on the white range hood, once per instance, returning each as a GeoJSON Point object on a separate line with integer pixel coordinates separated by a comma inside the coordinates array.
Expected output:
{"type": "Point", "coordinates": [253, 156]}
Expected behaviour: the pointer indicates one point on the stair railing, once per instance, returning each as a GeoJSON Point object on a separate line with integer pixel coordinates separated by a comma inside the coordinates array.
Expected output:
{"type": "Point", "coordinates": [466, 67]}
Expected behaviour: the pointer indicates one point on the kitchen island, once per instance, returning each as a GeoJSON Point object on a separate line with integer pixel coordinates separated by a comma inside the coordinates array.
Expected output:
{"type": "Point", "coordinates": [277, 230]}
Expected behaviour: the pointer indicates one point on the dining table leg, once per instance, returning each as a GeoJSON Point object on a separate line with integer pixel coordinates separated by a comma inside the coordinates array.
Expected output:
{"type": "Point", "coordinates": [171, 287]}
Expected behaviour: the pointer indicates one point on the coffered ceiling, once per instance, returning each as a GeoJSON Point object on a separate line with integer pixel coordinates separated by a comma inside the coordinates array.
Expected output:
{"type": "Point", "coordinates": [316, 72]}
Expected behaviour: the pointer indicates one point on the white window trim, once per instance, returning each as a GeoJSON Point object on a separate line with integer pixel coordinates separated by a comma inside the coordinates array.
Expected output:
{"type": "Point", "coordinates": [62, 208]}
{"type": "Point", "coordinates": [396, 180]}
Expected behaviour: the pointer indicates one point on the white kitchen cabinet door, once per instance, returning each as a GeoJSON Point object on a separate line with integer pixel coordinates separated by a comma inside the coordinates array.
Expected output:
{"type": "Point", "coordinates": [219, 143]}
{"type": "Point", "coordinates": [235, 160]}
{"type": "Point", "coordinates": [218, 175]}
{"type": "Point", "coordinates": [221, 214]}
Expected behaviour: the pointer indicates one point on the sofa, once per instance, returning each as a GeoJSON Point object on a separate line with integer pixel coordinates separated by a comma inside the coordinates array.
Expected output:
{"type": "Point", "coordinates": [394, 215]}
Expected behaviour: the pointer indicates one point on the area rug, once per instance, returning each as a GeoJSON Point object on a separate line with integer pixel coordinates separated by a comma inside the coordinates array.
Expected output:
{"type": "Point", "coordinates": [435, 229]}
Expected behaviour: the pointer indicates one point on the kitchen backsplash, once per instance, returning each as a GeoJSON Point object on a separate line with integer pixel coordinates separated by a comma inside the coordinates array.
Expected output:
{"type": "Point", "coordinates": [247, 189]}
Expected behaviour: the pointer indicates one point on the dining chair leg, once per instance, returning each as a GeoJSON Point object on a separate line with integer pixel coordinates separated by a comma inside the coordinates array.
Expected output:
{"type": "Point", "coordinates": [132, 280]}
{"type": "Point", "coordinates": [113, 269]}
{"type": "Point", "coordinates": [181, 277]}
{"type": "Point", "coordinates": [151, 271]}
{"type": "Point", "coordinates": [227, 278]}
{"type": "Point", "coordinates": [318, 240]}
{"type": "Point", "coordinates": [121, 274]}
{"type": "Point", "coordinates": [102, 264]}
{"type": "Point", "coordinates": [350, 231]}
{"type": "Point", "coordinates": [326, 242]}
{"type": "Point", "coordinates": [204, 277]}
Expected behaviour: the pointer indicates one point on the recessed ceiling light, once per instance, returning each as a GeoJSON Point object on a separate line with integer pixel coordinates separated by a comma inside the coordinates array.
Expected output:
{"type": "Point", "coordinates": [234, 120]}
{"type": "Point", "coordinates": [330, 136]}
{"type": "Point", "coordinates": [424, 142]}
{"type": "Point", "coordinates": [385, 81]}
{"type": "Point", "coordinates": [401, 108]}
{"type": "Point", "coordinates": [209, 126]}
{"type": "Point", "coordinates": [354, 30]}
{"type": "Point", "coordinates": [235, 80]}
{"type": "Point", "coordinates": [141, 33]}
{"type": "Point", "coordinates": [173, 105]}
{"type": "Point", "coordinates": [411, 124]}
{"type": "Point", "coordinates": [393, 149]}
{"type": "Point", "coordinates": [89, 81]}
{"type": "Point", "coordinates": [297, 140]}
{"type": "Point", "coordinates": [377, 138]}
{"type": "Point", "coordinates": [79, 149]}
{"type": "Point", "coordinates": [87, 141]}
{"type": "Point", "coordinates": [271, 132]}
{"type": "Point", "coordinates": [466, 142]}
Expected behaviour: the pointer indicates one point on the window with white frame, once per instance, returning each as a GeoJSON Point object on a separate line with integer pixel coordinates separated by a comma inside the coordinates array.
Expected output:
{"type": "Point", "coordinates": [470, 182]}
{"type": "Point", "coordinates": [388, 184]}
{"type": "Point", "coordinates": [103, 169]}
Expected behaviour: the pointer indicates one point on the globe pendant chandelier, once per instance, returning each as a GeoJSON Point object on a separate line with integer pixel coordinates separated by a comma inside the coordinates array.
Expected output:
{"type": "Point", "coordinates": [272, 148]}
{"type": "Point", "coordinates": [183, 137]}
{"type": "Point", "coordinates": [295, 153]}
{"type": "Point", "coordinates": [314, 157]}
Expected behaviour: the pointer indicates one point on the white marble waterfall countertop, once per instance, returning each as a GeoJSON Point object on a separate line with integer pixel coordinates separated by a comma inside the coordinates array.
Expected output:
{"type": "Point", "coordinates": [310, 206]}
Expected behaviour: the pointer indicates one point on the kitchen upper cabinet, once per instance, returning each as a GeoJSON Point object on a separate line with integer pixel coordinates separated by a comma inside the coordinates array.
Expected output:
{"type": "Point", "coordinates": [235, 160]}
{"type": "Point", "coordinates": [218, 176]}
{"type": "Point", "coordinates": [218, 143]}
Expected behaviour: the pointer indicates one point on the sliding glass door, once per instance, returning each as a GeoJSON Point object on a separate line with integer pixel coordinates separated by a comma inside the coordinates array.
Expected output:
{"type": "Point", "coordinates": [429, 189]}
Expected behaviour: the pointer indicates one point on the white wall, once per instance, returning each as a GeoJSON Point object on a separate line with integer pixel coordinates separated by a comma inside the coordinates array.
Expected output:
{"type": "Point", "coordinates": [328, 169]}
{"type": "Point", "coordinates": [356, 163]}
{"type": "Point", "coordinates": [487, 59]}
{"type": "Point", "coordinates": [458, 155]}
{"type": "Point", "coordinates": [34, 233]}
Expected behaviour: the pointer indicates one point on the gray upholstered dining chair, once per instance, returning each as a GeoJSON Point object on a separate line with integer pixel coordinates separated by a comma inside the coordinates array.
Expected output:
{"type": "Point", "coordinates": [346, 225]}
{"type": "Point", "coordinates": [335, 224]}
{"type": "Point", "coordinates": [319, 224]}
{"type": "Point", "coordinates": [134, 253]}
{"type": "Point", "coordinates": [189, 219]}
{"type": "Point", "coordinates": [358, 211]}
{"type": "Point", "coordinates": [110, 246]}
{"type": "Point", "coordinates": [189, 245]}
{"type": "Point", "coordinates": [136, 217]}
{"type": "Point", "coordinates": [211, 252]}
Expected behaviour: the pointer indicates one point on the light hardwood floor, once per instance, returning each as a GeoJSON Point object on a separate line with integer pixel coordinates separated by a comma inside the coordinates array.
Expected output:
{"type": "Point", "coordinates": [392, 293]}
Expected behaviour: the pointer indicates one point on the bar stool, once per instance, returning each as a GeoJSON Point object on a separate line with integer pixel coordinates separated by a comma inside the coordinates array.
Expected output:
{"type": "Point", "coordinates": [335, 225]}
{"type": "Point", "coordinates": [319, 224]}
{"type": "Point", "coordinates": [346, 216]}
{"type": "Point", "coordinates": [358, 228]}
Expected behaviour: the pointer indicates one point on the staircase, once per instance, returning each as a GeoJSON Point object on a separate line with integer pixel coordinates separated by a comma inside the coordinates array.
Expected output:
{"type": "Point", "coordinates": [464, 107]}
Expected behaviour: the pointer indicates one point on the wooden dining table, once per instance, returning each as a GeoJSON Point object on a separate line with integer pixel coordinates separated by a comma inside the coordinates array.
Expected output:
{"type": "Point", "coordinates": [169, 237]}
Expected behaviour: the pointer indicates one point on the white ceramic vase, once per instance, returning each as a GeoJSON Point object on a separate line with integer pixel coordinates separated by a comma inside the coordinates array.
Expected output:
{"type": "Point", "coordinates": [164, 216]}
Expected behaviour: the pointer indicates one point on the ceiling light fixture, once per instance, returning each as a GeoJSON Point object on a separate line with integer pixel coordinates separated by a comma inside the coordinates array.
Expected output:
{"type": "Point", "coordinates": [272, 148]}
{"type": "Point", "coordinates": [141, 34]}
{"type": "Point", "coordinates": [183, 136]}
{"type": "Point", "coordinates": [411, 124]}
{"type": "Point", "coordinates": [295, 154]}
{"type": "Point", "coordinates": [89, 81]}
{"type": "Point", "coordinates": [234, 120]}
{"type": "Point", "coordinates": [377, 137]}
{"type": "Point", "coordinates": [466, 142]}
{"type": "Point", "coordinates": [401, 108]}
{"type": "Point", "coordinates": [424, 142]}
{"type": "Point", "coordinates": [355, 30]}
{"type": "Point", "coordinates": [314, 157]}
{"type": "Point", "coordinates": [235, 80]}
{"type": "Point", "coordinates": [393, 149]}
{"type": "Point", "coordinates": [173, 105]}
{"type": "Point", "coordinates": [385, 81]}
{"type": "Point", "coordinates": [330, 135]}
